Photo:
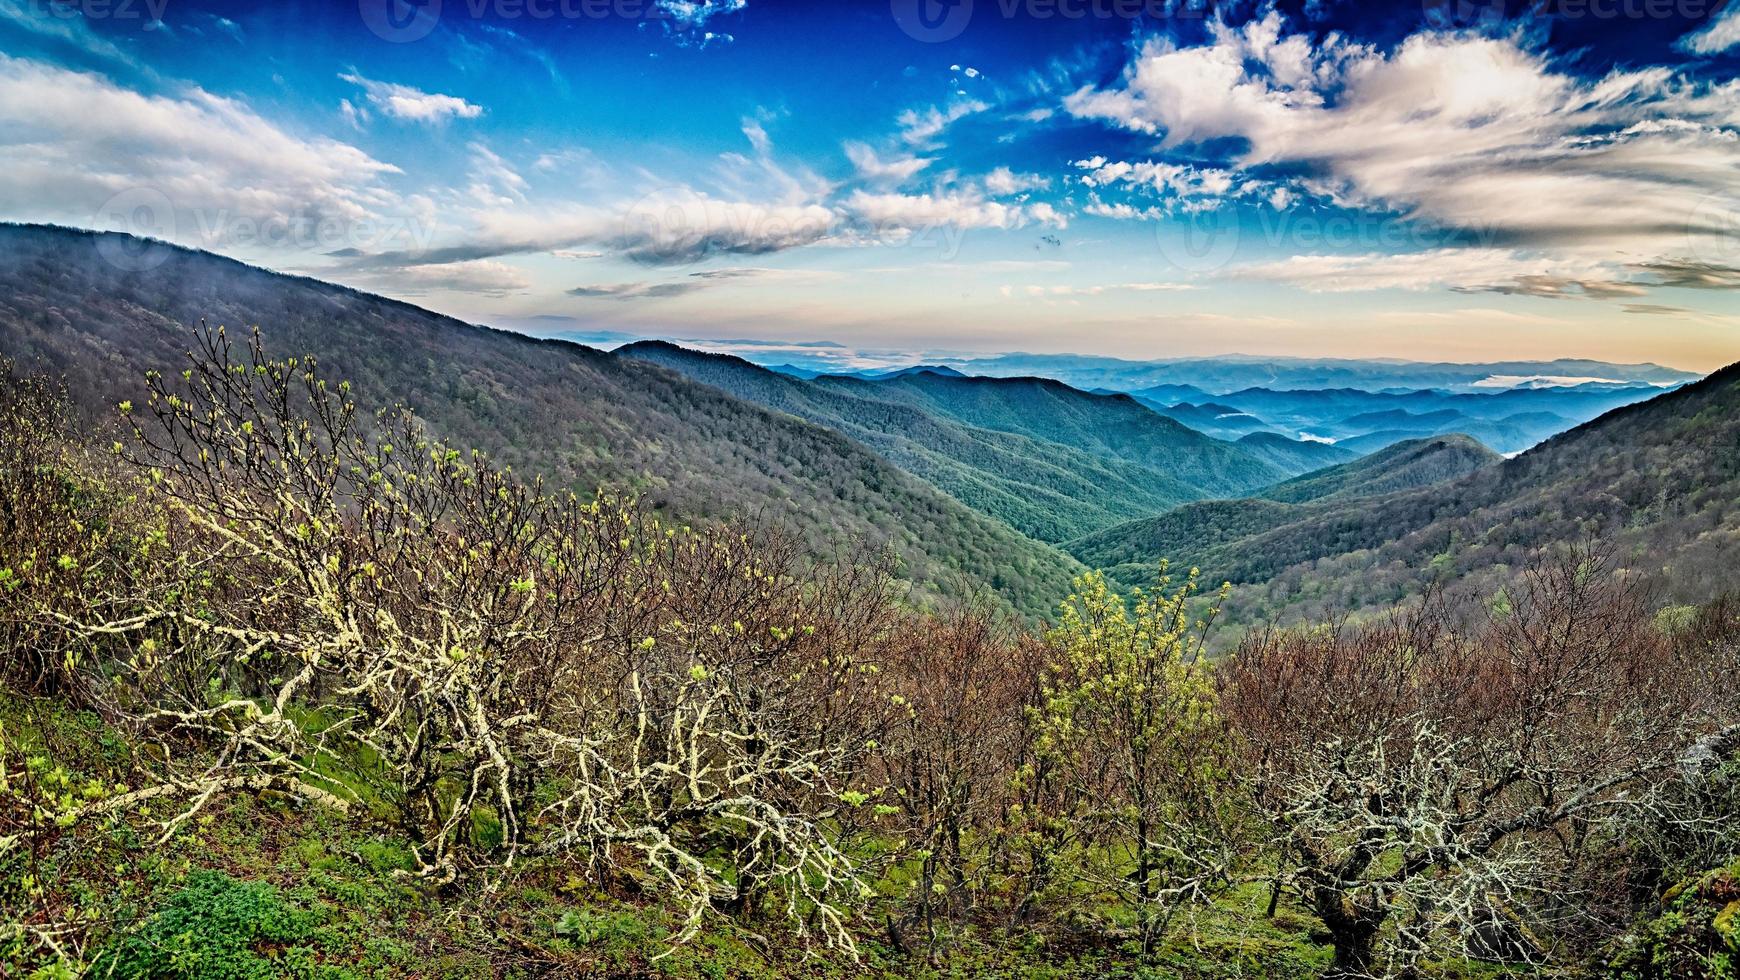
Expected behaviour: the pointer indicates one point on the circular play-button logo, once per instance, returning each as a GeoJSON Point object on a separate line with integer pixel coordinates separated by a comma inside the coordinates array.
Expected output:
{"type": "Point", "coordinates": [144, 216]}
{"type": "Point", "coordinates": [400, 21]}
{"type": "Point", "coordinates": [932, 21]}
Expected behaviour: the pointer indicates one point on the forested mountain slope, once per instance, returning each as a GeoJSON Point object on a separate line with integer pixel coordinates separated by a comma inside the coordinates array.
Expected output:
{"type": "Point", "coordinates": [1294, 455]}
{"type": "Point", "coordinates": [575, 415]}
{"type": "Point", "coordinates": [1659, 480]}
{"type": "Point", "coordinates": [1403, 466]}
{"type": "Point", "coordinates": [1192, 533]}
{"type": "Point", "coordinates": [1110, 426]}
{"type": "Point", "coordinates": [1045, 490]}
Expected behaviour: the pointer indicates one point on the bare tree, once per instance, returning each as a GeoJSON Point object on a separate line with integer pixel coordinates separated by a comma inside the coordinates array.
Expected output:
{"type": "Point", "coordinates": [1429, 782]}
{"type": "Point", "coordinates": [385, 623]}
{"type": "Point", "coordinates": [962, 683]}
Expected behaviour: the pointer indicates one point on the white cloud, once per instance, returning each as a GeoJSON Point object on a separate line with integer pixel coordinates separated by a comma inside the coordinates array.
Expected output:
{"type": "Point", "coordinates": [1720, 34]}
{"type": "Point", "coordinates": [872, 167]}
{"type": "Point", "coordinates": [1003, 182]}
{"type": "Point", "coordinates": [685, 21]}
{"type": "Point", "coordinates": [898, 214]}
{"type": "Point", "coordinates": [352, 115]}
{"type": "Point", "coordinates": [1183, 180]}
{"type": "Point", "coordinates": [671, 227]}
{"type": "Point", "coordinates": [227, 27]}
{"type": "Point", "coordinates": [1468, 269]}
{"type": "Point", "coordinates": [1121, 211]}
{"type": "Point", "coordinates": [414, 105]}
{"type": "Point", "coordinates": [756, 133]}
{"type": "Point", "coordinates": [1454, 129]}
{"type": "Point", "coordinates": [483, 277]}
{"type": "Point", "coordinates": [493, 181]}
{"type": "Point", "coordinates": [922, 128]}
{"type": "Point", "coordinates": [77, 143]}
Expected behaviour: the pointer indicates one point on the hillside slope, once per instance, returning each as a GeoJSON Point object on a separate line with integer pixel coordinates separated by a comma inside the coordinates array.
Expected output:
{"type": "Point", "coordinates": [1045, 490]}
{"type": "Point", "coordinates": [1659, 481]}
{"type": "Point", "coordinates": [1194, 533]}
{"type": "Point", "coordinates": [1109, 426]}
{"type": "Point", "coordinates": [1295, 455]}
{"type": "Point", "coordinates": [578, 416]}
{"type": "Point", "coordinates": [1403, 466]}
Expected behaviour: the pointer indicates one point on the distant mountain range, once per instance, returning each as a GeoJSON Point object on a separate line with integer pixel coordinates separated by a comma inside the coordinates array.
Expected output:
{"type": "Point", "coordinates": [1361, 405]}
{"type": "Point", "coordinates": [1222, 375]}
{"type": "Point", "coordinates": [1001, 485]}
{"type": "Point", "coordinates": [1051, 461]}
{"type": "Point", "coordinates": [1192, 379]}
{"type": "Point", "coordinates": [1508, 421]}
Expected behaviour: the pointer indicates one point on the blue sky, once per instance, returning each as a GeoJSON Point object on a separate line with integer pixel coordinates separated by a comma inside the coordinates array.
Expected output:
{"type": "Point", "coordinates": [1452, 179]}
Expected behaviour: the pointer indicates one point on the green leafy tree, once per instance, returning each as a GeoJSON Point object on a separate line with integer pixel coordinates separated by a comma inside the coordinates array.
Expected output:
{"type": "Point", "coordinates": [1129, 726]}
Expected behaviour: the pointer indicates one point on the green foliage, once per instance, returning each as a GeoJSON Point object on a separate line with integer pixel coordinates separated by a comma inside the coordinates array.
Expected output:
{"type": "Point", "coordinates": [1128, 725]}
{"type": "Point", "coordinates": [1696, 936]}
{"type": "Point", "coordinates": [217, 928]}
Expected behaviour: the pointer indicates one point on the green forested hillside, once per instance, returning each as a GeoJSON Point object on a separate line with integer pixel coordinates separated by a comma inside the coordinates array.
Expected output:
{"type": "Point", "coordinates": [1195, 533]}
{"type": "Point", "coordinates": [1187, 536]}
{"type": "Point", "coordinates": [1403, 466]}
{"type": "Point", "coordinates": [1660, 480]}
{"type": "Point", "coordinates": [1111, 426]}
{"type": "Point", "coordinates": [1294, 455]}
{"type": "Point", "coordinates": [1045, 490]}
{"type": "Point", "coordinates": [577, 416]}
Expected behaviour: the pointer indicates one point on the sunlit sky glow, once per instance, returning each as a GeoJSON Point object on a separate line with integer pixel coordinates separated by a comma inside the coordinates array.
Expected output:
{"type": "Point", "coordinates": [1425, 180]}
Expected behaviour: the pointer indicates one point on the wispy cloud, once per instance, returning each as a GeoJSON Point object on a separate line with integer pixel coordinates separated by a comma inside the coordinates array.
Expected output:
{"type": "Point", "coordinates": [65, 26]}
{"type": "Point", "coordinates": [1720, 34]}
{"type": "Point", "coordinates": [922, 128]}
{"type": "Point", "coordinates": [78, 140]}
{"type": "Point", "coordinates": [693, 282]}
{"type": "Point", "coordinates": [894, 170]}
{"type": "Point", "coordinates": [414, 105]}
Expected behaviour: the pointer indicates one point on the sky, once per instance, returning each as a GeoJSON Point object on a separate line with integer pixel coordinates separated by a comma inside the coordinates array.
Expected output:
{"type": "Point", "coordinates": [1437, 180]}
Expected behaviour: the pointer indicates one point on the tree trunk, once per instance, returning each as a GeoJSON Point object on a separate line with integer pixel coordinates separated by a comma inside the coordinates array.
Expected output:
{"type": "Point", "coordinates": [1353, 955]}
{"type": "Point", "coordinates": [1353, 932]}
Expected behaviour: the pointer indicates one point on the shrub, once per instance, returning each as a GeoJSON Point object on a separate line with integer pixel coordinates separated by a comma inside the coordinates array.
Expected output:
{"type": "Point", "coordinates": [217, 928]}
